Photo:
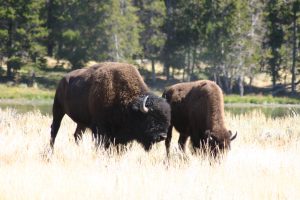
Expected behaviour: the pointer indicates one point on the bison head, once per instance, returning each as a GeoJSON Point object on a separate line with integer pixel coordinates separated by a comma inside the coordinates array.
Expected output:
{"type": "Point", "coordinates": [219, 142]}
{"type": "Point", "coordinates": [151, 119]}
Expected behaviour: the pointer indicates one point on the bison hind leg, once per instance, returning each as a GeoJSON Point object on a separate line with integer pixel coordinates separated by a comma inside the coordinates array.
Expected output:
{"type": "Point", "coordinates": [195, 139]}
{"type": "Point", "coordinates": [168, 140]}
{"type": "Point", "coordinates": [58, 114]}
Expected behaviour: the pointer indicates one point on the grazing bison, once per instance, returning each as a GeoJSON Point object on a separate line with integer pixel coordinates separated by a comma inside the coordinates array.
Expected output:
{"type": "Point", "coordinates": [198, 111]}
{"type": "Point", "coordinates": [114, 102]}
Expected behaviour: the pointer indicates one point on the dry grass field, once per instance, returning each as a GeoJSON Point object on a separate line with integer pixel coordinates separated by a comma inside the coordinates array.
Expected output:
{"type": "Point", "coordinates": [263, 164]}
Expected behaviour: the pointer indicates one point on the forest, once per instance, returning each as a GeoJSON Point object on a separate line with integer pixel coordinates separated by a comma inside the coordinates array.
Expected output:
{"type": "Point", "coordinates": [228, 41]}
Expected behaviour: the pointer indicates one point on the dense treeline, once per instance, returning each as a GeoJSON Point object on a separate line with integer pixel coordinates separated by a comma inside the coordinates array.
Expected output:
{"type": "Point", "coordinates": [227, 40]}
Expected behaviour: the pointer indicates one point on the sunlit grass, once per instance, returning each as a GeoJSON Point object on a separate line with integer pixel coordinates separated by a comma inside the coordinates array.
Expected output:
{"type": "Point", "coordinates": [262, 164]}
{"type": "Point", "coordinates": [260, 99]}
{"type": "Point", "coordinates": [29, 93]}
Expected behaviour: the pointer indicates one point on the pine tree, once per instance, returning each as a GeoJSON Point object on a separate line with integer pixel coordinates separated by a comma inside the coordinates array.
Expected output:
{"type": "Point", "coordinates": [93, 30]}
{"type": "Point", "coordinates": [219, 32]}
{"type": "Point", "coordinates": [184, 29]}
{"type": "Point", "coordinates": [122, 30]}
{"type": "Point", "coordinates": [274, 38]}
{"type": "Point", "coordinates": [76, 33]}
{"type": "Point", "coordinates": [291, 23]}
{"type": "Point", "coordinates": [152, 15]}
{"type": "Point", "coordinates": [243, 50]}
{"type": "Point", "coordinates": [21, 31]}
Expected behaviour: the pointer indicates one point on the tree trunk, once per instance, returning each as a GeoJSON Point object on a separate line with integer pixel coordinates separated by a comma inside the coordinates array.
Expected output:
{"type": "Point", "coordinates": [215, 77]}
{"type": "Point", "coordinates": [9, 47]}
{"type": "Point", "coordinates": [167, 71]}
{"type": "Point", "coordinates": [173, 72]}
{"type": "Point", "coordinates": [168, 31]}
{"type": "Point", "coordinates": [241, 86]}
{"type": "Point", "coordinates": [116, 40]}
{"type": "Point", "coordinates": [227, 85]}
{"type": "Point", "coordinates": [50, 42]}
{"type": "Point", "coordinates": [8, 73]}
{"type": "Point", "coordinates": [250, 84]}
{"type": "Point", "coordinates": [188, 69]}
{"type": "Point", "coordinates": [294, 50]}
{"type": "Point", "coordinates": [153, 71]}
{"type": "Point", "coordinates": [273, 78]}
{"type": "Point", "coordinates": [219, 82]}
{"type": "Point", "coordinates": [194, 61]}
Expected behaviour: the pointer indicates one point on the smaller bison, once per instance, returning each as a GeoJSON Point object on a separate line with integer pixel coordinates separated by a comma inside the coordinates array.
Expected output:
{"type": "Point", "coordinates": [197, 111]}
{"type": "Point", "coordinates": [113, 101]}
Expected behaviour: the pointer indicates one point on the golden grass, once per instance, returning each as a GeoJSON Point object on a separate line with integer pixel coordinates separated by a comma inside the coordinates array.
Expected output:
{"type": "Point", "coordinates": [263, 164]}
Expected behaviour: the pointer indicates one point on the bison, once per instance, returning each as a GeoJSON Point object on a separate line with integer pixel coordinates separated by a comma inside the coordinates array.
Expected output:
{"type": "Point", "coordinates": [197, 110]}
{"type": "Point", "coordinates": [113, 101]}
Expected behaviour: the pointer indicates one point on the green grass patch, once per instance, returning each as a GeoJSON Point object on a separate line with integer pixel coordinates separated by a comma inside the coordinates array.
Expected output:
{"type": "Point", "coordinates": [259, 99]}
{"type": "Point", "coordinates": [29, 93]}
{"type": "Point", "coordinates": [17, 92]}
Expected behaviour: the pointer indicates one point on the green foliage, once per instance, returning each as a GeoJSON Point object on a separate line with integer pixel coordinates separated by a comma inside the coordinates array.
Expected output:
{"type": "Point", "coordinates": [121, 29]}
{"type": "Point", "coordinates": [21, 30]}
{"type": "Point", "coordinates": [93, 30]}
{"type": "Point", "coordinates": [152, 15]}
{"type": "Point", "coordinates": [274, 37]}
{"type": "Point", "coordinates": [232, 38]}
{"type": "Point", "coordinates": [14, 63]}
{"type": "Point", "coordinates": [282, 19]}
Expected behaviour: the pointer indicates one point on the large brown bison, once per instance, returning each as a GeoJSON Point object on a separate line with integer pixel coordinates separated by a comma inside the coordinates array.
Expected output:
{"type": "Point", "coordinates": [198, 111]}
{"type": "Point", "coordinates": [114, 102]}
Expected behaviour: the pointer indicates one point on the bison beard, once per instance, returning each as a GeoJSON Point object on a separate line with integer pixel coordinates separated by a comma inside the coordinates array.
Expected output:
{"type": "Point", "coordinates": [114, 102]}
{"type": "Point", "coordinates": [198, 112]}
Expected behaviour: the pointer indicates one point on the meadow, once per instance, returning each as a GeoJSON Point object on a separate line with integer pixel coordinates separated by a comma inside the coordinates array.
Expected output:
{"type": "Point", "coordinates": [263, 163]}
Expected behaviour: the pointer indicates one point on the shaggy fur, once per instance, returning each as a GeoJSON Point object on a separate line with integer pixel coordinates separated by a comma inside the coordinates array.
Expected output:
{"type": "Point", "coordinates": [107, 98]}
{"type": "Point", "coordinates": [198, 111]}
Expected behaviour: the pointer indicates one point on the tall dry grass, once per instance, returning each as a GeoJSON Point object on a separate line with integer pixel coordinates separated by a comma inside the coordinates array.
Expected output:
{"type": "Point", "coordinates": [263, 164]}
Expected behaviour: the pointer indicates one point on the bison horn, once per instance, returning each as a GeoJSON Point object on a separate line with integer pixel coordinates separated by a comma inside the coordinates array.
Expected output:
{"type": "Point", "coordinates": [143, 107]}
{"type": "Point", "coordinates": [233, 137]}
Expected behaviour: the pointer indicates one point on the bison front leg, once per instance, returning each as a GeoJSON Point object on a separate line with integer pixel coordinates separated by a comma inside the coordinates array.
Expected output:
{"type": "Point", "coordinates": [195, 139]}
{"type": "Point", "coordinates": [100, 136]}
{"type": "Point", "coordinates": [78, 132]}
{"type": "Point", "coordinates": [182, 141]}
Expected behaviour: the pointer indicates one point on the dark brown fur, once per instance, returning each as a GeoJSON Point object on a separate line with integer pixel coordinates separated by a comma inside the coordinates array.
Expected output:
{"type": "Point", "coordinates": [106, 98]}
{"type": "Point", "coordinates": [198, 111]}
